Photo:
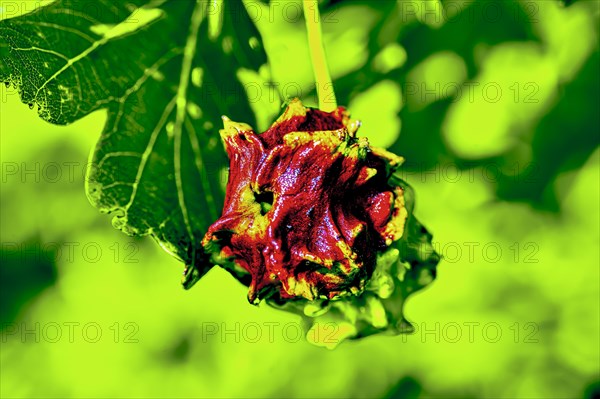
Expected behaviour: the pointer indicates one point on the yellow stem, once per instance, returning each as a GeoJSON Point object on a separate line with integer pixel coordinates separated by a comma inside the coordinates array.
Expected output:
{"type": "Point", "coordinates": [327, 101]}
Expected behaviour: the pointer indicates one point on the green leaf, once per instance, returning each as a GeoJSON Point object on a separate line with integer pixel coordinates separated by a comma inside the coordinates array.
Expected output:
{"type": "Point", "coordinates": [165, 83]}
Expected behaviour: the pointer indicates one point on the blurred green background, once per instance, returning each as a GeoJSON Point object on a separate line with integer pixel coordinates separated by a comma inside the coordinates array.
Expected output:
{"type": "Point", "coordinates": [495, 106]}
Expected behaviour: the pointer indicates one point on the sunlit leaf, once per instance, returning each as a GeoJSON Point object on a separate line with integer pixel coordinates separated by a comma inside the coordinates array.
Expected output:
{"type": "Point", "coordinates": [165, 82]}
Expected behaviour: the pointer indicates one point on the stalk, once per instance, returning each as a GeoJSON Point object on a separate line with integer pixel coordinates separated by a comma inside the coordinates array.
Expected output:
{"type": "Point", "coordinates": [325, 92]}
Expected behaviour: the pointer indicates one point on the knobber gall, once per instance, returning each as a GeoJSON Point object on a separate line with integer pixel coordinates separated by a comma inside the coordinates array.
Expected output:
{"type": "Point", "coordinates": [317, 222]}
